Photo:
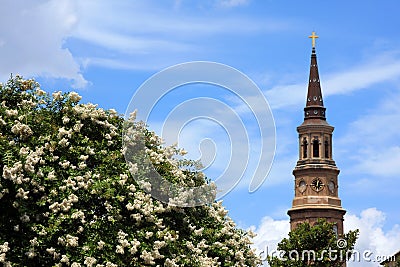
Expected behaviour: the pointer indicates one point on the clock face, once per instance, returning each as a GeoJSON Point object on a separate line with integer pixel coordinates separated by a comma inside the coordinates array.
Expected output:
{"type": "Point", "coordinates": [331, 186]}
{"type": "Point", "coordinates": [317, 184]}
{"type": "Point", "coordinates": [315, 112]}
{"type": "Point", "coordinates": [302, 186]}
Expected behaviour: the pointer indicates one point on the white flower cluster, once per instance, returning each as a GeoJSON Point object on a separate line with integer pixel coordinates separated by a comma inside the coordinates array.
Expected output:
{"type": "Point", "coordinates": [65, 205]}
{"type": "Point", "coordinates": [57, 95]}
{"type": "Point", "coordinates": [3, 250]}
{"type": "Point", "coordinates": [77, 204]}
{"type": "Point", "coordinates": [75, 97]}
{"type": "Point", "coordinates": [21, 129]}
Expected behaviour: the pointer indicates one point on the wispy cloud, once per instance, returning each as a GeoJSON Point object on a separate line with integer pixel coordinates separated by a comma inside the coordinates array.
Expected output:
{"type": "Point", "coordinates": [128, 44]}
{"type": "Point", "coordinates": [53, 38]}
{"type": "Point", "coordinates": [149, 22]}
{"type": "Point", "coordinates": [233, 3]}
{"type": "Point", "coordinates": [372, 141]}
{"type": "Point", "coordinates": [385, 67]}
{"type": "Point", "coordinates": [382, 68]}
{"type": "Point", "coordinates": [143, 31]}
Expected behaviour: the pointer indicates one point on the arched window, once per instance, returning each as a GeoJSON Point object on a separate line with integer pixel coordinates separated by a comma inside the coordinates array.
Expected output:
{"type": "Point", "coordinates": [305, 145]}
{"type": "Point", "coordinates": [326, 149]}
{"type": "Point", "coordinates": [316, 147]}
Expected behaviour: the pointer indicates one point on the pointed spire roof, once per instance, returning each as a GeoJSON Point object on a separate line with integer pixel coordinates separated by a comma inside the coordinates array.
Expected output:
{"type": "Point", "coordinates": [314, 103]}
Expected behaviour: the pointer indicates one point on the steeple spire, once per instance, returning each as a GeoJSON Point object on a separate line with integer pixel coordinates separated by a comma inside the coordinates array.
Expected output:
{"type": "Point", "coordinates": [314, 105]}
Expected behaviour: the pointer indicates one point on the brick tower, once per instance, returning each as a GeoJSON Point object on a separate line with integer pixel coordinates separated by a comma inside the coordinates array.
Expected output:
{"type": "Point", "coordinates": [316, 175]}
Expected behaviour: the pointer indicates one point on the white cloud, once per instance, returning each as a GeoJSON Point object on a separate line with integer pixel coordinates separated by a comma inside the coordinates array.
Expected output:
{"type": "Point", "coordinates": [373, 140]}
{"type": "Point", "coordinates": [31, 40]}
{"type": "Point", "coordinates": [379, 162]}
{"type": "Point", "coordinates": [127, 43]}
{"type": "Point", "coordinates": [354, 78]}
{"type": "Point", "coordinates": [145, 21]}
{"type": "Point", "coordinates": [384, 67]}
{"type": "Point", "coordinates": [120, 64]}
{"type": "Point", "coordinates": [142, 31]}
{"type": "Point", "coordinates": [232, 3]}
{"type": "Point", "coordinates": [372, 235]}
{"type": "Point", "coordinates": [269, 233]}
{"type": "Point", "coordinates": [55, 38]}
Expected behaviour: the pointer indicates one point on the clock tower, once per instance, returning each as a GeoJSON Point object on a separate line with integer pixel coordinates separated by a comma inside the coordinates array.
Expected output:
{"type": "Point", "coordinates": [316, 175]}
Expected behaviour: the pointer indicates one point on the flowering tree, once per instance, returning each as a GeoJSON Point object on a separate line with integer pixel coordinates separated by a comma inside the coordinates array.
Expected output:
{"type": "Point", "coordinates": [67, 197]}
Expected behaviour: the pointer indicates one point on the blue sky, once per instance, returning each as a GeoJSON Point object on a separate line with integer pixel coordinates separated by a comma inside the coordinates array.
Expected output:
{"type": "Point", "coordinates": [106, 49]}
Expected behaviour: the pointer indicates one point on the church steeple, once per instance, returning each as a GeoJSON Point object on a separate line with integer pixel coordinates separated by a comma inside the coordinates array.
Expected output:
{"type": "Point", "coordinates": [316, 175]}
{"type": "Point", "coordinates": [314, 104]}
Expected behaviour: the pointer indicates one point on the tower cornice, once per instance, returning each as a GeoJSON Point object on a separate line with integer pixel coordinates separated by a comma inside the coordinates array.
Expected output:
{"type": "Point", "coordinates": [315, 125]}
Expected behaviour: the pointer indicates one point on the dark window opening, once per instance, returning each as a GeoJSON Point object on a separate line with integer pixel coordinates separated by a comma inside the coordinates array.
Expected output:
{"type": "Point", "coordinates": [305, 145]}
{"type": "Point", "coordinates": [315, 148]}
{"type": "Point", "coordinates": [335, 230]}
{"type": "Point", "coordinates": [326, 149]}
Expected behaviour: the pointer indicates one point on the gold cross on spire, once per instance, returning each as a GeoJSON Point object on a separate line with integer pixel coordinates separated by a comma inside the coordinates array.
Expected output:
{"type": "Point", "coordinates": [313, 36]}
